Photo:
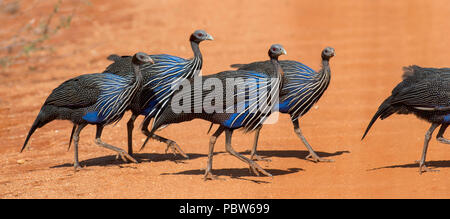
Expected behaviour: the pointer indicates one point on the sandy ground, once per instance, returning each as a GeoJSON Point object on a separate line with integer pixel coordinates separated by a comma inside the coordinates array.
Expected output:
{"type": "Point", "coordinates": [373, 41]}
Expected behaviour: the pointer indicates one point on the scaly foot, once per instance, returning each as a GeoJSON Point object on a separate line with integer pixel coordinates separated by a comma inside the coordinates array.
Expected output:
{"type": "Point", "coordinates": [256, 169]}
{"type": "Point", "coordinates": [315, 158]}
{"type": "Point", "coordinates": [77, 167]}
{"type": "Point", "coordinates": [174, 147]}
{"type": "Point", "coordinates": [125, 157]}
{"type": "Point", "coordinates": [209, 176]}
{"type": "Point", "coordinates": [259, 158]}
{"type": "Point", "coordinates": [423, 168]}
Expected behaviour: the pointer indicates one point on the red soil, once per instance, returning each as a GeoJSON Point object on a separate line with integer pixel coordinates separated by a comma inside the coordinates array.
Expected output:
{"type": "Point", "coordinates": [373, 40]}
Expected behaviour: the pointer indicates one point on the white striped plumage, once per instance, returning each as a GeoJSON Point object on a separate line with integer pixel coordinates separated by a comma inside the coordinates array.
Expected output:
{"type": "Point", "coordinates": [115, 95]}
{"type": "Point", "coordinates": [188, 69]}
{"type": "Point", "coordinates": [251, 119]}
{"type": "Point", "coordinates": [297, 89]}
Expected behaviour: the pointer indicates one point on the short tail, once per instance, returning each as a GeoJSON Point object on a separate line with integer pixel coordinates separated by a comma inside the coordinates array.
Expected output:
{"type": "Point", "coordinates": [149, 135]}
{"type": "Point", "coordinates": [210, 127]}
{"type": "Point", "coordinates": [71, 136]}
{"type": "Point", "coordinates": [113, 57]}
{"type": "Point", "coordinates": [144, 126]}
{"type": "Point", "coordinates": [40, 121]}
{"type": "Point", "coordinates": [237, 65]}
{"type": "Point", "coordinates": [385, 110]}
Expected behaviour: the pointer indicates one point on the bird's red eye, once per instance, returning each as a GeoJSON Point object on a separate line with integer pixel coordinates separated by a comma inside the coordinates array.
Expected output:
{"type": "Point", "coordinates": [200, 34]}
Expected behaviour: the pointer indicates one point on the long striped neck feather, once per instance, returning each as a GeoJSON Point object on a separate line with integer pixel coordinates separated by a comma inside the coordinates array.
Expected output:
{"type": "Point", "coordinates": [197, 54]}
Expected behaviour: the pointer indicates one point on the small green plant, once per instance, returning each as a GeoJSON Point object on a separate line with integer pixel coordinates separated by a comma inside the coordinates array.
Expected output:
{"type": "Point", "coordinates": [21, 46]}
{"type": "Point", "coordinates": [5, 61]}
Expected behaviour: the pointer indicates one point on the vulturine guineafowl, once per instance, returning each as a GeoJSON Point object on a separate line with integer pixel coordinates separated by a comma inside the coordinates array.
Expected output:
{"type": "Point", "coordinates": [424, 92]}
{"type": "Point", "coordinates": [253, 97]}
{"type": "Point", "coordinates": [99, 99]}
{"type": "Point", "coordinates": [302, 88]}
{"type": "Point", "coordinates": [159, 78]}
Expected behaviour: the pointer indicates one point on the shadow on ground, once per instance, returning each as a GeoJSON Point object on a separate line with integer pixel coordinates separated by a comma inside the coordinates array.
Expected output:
{"type": "Point", "coordinates": [431, 164]}
{"type": "Point", "coordinates": [156, 157]}
{"type": "Point", "coordinates": [294, 153]}
{"type": "Point", "coordinates": [141, 158]}
{"type": "Point", "coordinates": [238, 173]}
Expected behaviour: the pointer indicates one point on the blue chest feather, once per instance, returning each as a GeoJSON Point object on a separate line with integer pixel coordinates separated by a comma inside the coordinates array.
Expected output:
{"type": "Point", "coordinates": [109, 103]}
{"type": "Point", "coordinates": [237, 124]}
{"type": "Point", "coordinates": [150, 106]}
{"type": "Point", "coordinates": [254, 81]}
{"type": "Point", "coordinates": [447, 118]}
{"type": "Point", "coordinates": [236, 120]}
{"type": "Point", "coordinates": [166, 73]}
{"type": "Point", "coordinates": [93, 117]}
{"type": "Point", "coordinates": [284, 106]}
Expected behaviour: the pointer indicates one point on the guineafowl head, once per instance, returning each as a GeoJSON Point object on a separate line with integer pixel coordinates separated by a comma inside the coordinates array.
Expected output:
{"type": "Point", "coordinates": [276, 50]}
{"type": "Point", "coordinates": [141, 58]}
{"type": "Point", "coordinates": [327, 53]}
{"type": "Point", "coordinates": [200, 35]}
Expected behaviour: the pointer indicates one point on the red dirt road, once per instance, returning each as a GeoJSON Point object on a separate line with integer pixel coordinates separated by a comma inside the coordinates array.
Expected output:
{"type": "Point", "coordinates": [373, 41]}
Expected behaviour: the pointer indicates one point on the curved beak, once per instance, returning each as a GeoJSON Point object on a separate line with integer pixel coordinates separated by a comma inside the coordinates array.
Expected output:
{"type": "Point", "coordinates": [150, 60]}
{"type": "Point", "coordinates": [283, 51]}
{"type": "Point", "coordinates": [209, 37]}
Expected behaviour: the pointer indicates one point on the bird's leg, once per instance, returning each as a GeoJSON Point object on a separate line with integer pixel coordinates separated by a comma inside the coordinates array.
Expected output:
{"type": "Point", "coordinates": [124, 155]}
{"type": "Point", "coordinates": [422, 166]}
{"type": "Point", "coordinates": [212, 142]}
{"type": "Point", "coordinates": [440, 135]}
{"type": "Point", "coordinates": [253, 155]}
{"type": "Point", "coordinates": [254, 167]}
{"type": "Point", "coordinates": [130, 127]}
{"type": "Point", "coordinates": [312, 154]}
{"type": "Point", "coordinates": [76, 138]}
{"type": "Point", "coordinates": [170, 144]}
{"type": "Point", "coordinates": [145, 131]}
{"type": "Point", "coordinates": [71, 135]}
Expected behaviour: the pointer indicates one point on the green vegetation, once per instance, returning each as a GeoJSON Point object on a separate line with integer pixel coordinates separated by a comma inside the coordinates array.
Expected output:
{"type": "Point", "coordinates": [22, 44]}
